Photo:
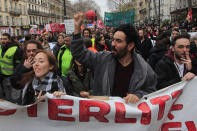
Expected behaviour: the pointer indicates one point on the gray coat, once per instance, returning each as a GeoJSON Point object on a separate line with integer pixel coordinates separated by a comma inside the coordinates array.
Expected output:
{"type": "Point", "coordinates": [143, 80]}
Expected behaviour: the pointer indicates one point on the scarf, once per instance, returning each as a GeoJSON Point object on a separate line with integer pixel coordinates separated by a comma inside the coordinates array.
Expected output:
{"type": "Point", "coordinates": [48, 82]}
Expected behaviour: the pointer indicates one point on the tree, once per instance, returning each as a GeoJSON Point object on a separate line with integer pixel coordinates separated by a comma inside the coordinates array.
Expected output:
{"type": "Point", "coordinates": [120, 5]}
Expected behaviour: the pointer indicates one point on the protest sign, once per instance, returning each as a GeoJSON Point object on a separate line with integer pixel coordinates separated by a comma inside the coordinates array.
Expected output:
{"type": "Point", "coordinates": [69, 24]}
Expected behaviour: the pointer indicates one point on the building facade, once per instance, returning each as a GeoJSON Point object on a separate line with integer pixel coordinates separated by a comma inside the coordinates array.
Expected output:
{"type": "Point", "coordinates": [181, 10]}
{"type": "Point", "coordinates": [13, 15]}
{"type": "Point", "coordinates": [18, 16]}
{"type": "Point", "coordinates": [166, 6]}
{"type": "Point", "coordinates": [141, 11]}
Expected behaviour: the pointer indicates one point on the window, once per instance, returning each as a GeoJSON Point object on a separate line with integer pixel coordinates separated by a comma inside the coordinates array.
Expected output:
{"type": "Point", "coordinates": [17, 31]}
{"type": "Point", "coordinates": [21, 21]}
{"type": "Point", "coordinates": [20, 8]}
{"type": "Point", "coordinates": [141, 3]}
{"type": "Point", "coordinates": [12, 21]}
{"type": "Point", "coordinates": [7, 20]}
{"type": "Point", "coordinates": [5, 4]}
{"type": "Point", "coordinates": [24, 10]}
{"type": "Point", "coordinates": [1, 21]}
{"type": "Point", "coordinates": [184, 3]}
{"type": "Point", "coordinates": [30, 19]}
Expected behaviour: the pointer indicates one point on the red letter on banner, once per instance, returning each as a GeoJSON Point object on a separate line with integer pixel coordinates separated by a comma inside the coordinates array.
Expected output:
{"type": "Point", "coordinates": [161, 102]}
{"type": "Point", "coordinates": [175, 95]}
{"type": "Point", "coordinates": [7, 112]}
{"type": "Point", "coordinates": [32, 111]}
{"type": "Point", "coordinates": [190, 125]}
{"type": "Point", "coordinates": [146, 113]}
{"type": "Point", "coordinates": [120, 114]}
{"type": "Point", "coordinates": [166, 126]}
{"type": "Point", "coordinates": [85, 113]}
{"type": "Point", "coordinates": [54, 111]}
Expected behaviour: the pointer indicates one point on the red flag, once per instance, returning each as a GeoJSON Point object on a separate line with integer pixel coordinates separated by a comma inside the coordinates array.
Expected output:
{"type": "Point", "coordinates": [38, 31]}
{"type": "Point", "coordinates": [189, 16]}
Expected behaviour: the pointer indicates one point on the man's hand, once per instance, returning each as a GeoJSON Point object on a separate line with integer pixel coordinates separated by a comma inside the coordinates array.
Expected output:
{"type": "Point", "coordinates": [84, 94]}
{"type": "Point", "coordinates": [131, 98]}
{"type": "Point", "coordinates": [187, 61]}
{"type": "Point", "coordinates": [28, 63]}
{"type": "Point", "coordinates": [78, 20]}
{"type": "Point", "coordinates": [188, 76]}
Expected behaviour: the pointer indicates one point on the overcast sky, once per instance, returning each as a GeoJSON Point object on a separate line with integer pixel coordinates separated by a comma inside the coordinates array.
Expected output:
{"type": "Point", "coordinates": [101, 3]}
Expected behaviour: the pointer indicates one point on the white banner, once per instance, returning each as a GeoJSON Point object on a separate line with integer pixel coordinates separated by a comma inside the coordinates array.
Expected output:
{"type": "Point", "coordinates": [69, 25]}
{"type": "Point", "coordinates": [172, 108]}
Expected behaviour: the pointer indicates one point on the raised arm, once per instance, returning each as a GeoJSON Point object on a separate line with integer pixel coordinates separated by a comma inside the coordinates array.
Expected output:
{"type": "Point", "coordinates": [78, 50]}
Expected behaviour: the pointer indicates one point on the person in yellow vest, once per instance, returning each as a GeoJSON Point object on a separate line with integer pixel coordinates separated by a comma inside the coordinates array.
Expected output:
{"type": "Point", "coordinates": [88, 44]}
{"type": "Point", "coordinates": [93, 40]}
{"type": "Point", "coordinates": [10, 56]}
{"type": "Point", "coordinates": [64, 58]}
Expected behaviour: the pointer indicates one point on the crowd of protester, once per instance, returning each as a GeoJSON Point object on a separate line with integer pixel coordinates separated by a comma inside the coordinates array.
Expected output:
{"type": "Point", "coordinates": [126, 61]}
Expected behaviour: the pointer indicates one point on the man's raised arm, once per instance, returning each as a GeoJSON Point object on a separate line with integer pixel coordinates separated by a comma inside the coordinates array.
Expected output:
{"type": "Point", "coordinates": [78, 50]}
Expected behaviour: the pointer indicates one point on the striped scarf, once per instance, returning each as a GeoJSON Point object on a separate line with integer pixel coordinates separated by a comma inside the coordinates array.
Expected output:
{"type": "Point", "coordinates": [47, 82]}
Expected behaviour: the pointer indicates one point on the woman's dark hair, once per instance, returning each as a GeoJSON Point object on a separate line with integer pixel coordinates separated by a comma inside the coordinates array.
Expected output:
{"type": "Point", "coordinates": [28, 77]}
{"type": "Point", "coordinates": [39, 46]}
{"type": "Point", "coordinates": [165, 34]}
{"type": "Point", "coordinates": [98, 38]}
{"type": "Point", "coordinates": [98, 46]}
{"type": "Point", "coordinates": [164, 42]}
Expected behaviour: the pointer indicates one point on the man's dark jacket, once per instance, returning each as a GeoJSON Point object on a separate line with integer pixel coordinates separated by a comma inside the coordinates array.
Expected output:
{"type": "Point", "coordinates": [144, 48]}
{"type": "Point", "coordinates": [167, 72]}
{"type": "Point", "coordinates": [142, 82]}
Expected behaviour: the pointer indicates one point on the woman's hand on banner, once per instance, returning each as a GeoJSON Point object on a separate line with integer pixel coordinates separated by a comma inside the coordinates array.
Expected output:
{"type": "Point", "coordinates": [58, 93]}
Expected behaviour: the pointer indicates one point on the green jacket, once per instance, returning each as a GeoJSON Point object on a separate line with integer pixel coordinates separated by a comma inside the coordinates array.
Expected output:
{"type": "Point", "coordinates": [64, 60]}
{"type": "Point", "coordinates": [76, 84]}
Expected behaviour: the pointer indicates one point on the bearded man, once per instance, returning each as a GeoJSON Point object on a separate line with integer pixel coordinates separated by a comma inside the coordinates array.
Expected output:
{"type": "Point", "coordinates": [177, 64]}
{"type": "Point", "coordinates": [121, 72]}
{"type": "Point", "coordinates": [144, 45]}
